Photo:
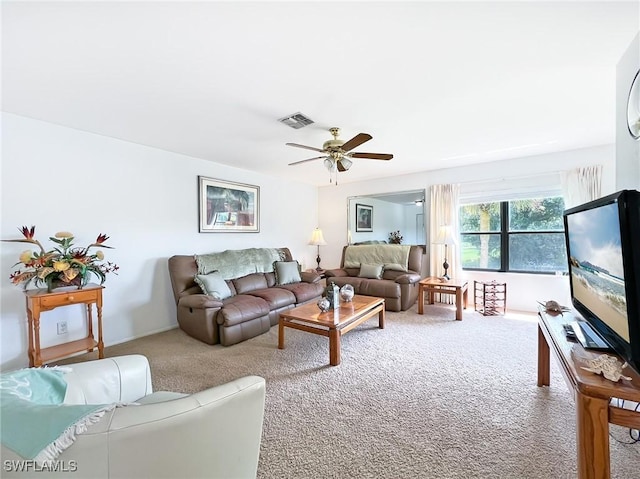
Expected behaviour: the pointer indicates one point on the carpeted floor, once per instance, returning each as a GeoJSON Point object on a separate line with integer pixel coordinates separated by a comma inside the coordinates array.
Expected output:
{"type": "Point", "coordinates": [427, 397]}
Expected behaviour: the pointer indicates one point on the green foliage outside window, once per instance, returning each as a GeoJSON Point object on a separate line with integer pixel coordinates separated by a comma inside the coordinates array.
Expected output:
{"type": "Point", "coordinates": [520, 235]}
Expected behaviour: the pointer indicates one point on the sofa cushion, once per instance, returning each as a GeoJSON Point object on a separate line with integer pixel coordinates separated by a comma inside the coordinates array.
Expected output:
{"type": "Point", "coordinates": [249, 283]}
{"type": "Point", "coordinates": [241, 308]}
{"type": "Point", "coordinates": [304, 291]}
{"type": "Point", "coordinates": [373, 271]}
{"type": "Point", "coordinates": [214, 285]}
{"type": "Point", "coordinates": [287, 272]}
{"type": "Point", "coordinates": [276, 297]}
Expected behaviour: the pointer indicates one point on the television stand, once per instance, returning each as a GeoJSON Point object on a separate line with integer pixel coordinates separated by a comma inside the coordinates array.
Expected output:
{"type": "Point", "coordinates": [592, 394]}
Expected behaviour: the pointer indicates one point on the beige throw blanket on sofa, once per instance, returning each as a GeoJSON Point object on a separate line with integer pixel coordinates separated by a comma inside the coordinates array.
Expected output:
{"type": "Point", "coordinates": [237, 263]}
{"type": "Point", "coordinates": [392, 256]}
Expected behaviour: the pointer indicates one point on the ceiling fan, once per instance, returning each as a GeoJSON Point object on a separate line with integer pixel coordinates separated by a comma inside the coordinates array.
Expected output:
{"type": "Point", "coordinates": [337, 153]}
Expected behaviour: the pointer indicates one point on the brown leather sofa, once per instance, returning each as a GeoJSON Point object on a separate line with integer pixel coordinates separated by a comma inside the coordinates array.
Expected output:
{"type": "Point", "coordinates": [252, 308]}
{"type": "Point", "coordinates": [398, 288]}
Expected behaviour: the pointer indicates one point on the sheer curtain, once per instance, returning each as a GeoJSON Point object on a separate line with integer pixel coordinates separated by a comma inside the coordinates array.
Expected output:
{"type": "Point", "coordinates": [581, 185]}
{"type": "Point", "coordinates": [444, 212]}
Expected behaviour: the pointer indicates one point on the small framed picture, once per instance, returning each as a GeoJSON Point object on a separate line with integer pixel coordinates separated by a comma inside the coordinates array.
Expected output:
{"type": "Point", "coordinates": [364, 218]}
{"type": "Point", "coordinates": [227, 207]}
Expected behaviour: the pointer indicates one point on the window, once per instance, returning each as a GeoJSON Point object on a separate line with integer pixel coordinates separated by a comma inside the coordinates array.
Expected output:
{"type": "Point", "coordinates": [517, 236]}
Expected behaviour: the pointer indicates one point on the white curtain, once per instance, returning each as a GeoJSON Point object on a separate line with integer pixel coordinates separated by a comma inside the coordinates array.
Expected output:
{"type": "Point", "coordinates": [444, 212]}
{"type": "Point", "coordinates": [581, 185]}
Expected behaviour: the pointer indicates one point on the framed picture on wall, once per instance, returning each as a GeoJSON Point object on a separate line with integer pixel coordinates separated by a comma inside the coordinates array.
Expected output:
{"type": "Point", "coordinates": [364, 218]}
{"type": "Point", "coordinates": [227, 207]}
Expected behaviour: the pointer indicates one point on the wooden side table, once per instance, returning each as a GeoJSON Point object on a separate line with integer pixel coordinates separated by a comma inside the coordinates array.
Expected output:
{"type": "Point", "coordinates": [38, 300]}
{"type": "Point", "coordinates": [433, 285]}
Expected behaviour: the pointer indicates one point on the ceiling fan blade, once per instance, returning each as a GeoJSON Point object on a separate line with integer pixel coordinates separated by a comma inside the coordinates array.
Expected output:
{"type": "Point", "coordinates": [372, 156]}
{"type": "Point", "coordinates": [305, 147]}
{"type": "Point", "coordinates": [357, 140]}
{"type": "Point", "coordinates": [341, 167]}
{"type": "Point", "coordinates": [310, 159]}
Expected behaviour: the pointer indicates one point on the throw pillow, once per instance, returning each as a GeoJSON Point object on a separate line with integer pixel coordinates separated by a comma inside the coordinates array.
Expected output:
{"type": "Point", "coordinates": [214, 285]}
{"type": "Point", "coordinates": [371, 271]}
{"type": "Point", "coordinates": [287, 272]}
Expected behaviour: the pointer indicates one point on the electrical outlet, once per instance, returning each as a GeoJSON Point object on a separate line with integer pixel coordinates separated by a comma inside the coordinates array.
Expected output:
{"type": "Point", "coordinates": [62, 327]}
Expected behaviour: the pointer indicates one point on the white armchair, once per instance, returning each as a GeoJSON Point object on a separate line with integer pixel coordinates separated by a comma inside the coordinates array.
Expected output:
{"type": "Point", "coordinates": [213, 433]}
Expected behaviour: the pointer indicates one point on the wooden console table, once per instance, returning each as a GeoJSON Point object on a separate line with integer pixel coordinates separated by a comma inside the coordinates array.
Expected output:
{"type": "Point", "coordinates": [592, 394]}
{"type": "Point", "coordinates": [39, 300]}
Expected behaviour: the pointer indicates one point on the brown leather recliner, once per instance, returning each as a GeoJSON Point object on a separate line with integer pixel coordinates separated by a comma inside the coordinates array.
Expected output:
{"type": "Point", "coordinates": [252, 309]}
{"type": "Point", "coordinates": [398, 288]}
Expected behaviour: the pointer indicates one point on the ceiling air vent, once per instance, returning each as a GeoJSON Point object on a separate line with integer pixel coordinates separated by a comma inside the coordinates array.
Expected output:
{"type": "Point", "coordinates": [296, 120]}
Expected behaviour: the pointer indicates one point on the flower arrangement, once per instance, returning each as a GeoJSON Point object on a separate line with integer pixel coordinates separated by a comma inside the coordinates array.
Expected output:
{"type": "Point", "coordinates": [395, 237]}
{"type": "Point", "coordinates": [64, 265]}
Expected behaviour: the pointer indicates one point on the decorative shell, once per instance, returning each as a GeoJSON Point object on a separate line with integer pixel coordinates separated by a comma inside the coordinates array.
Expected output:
{"type": "Point", "coordinates": [608, 366]}
{"type": "Point", "coordinates": [552, 306]}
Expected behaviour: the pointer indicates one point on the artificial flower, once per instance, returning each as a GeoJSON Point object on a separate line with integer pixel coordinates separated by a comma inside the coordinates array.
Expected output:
{"type": "Point", "coordinates": [63, 264]}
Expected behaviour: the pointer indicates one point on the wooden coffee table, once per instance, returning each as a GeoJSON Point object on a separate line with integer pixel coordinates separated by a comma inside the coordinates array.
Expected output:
{"type": "Point", "coordinates": [333, 323]}
{"type": "Point", "coordinates": [434, 285]}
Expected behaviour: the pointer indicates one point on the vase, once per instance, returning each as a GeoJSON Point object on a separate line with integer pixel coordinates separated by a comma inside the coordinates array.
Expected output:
{"type": "Point", "coordinates": [347, 292]}
{"type": "Point", "coordinates": [79, 282]}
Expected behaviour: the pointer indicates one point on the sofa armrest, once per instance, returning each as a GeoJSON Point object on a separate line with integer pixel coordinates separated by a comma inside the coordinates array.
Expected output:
{"type": "Point", "coordinates": [408, 278]}
{"type": "Point", "coordinates": [199, 301]}
{"type": "Point", "coordinates": [105, 381]}
{"type": "Point", "coordinates": [222, 424]}
{"type": "Point", "coordinates": [329, 273]}
{"type": "Point", "coordinates": [310, 277]}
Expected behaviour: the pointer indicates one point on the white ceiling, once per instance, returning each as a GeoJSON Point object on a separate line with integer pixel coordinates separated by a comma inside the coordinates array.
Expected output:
{"type": "Point", "coordinates": [436, 84]}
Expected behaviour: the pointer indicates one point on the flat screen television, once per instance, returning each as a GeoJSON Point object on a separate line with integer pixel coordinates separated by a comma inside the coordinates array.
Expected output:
{"type": "Point", "coordinates": [603, 251]}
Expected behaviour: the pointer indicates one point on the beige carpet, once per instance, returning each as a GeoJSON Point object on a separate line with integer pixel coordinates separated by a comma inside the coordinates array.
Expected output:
{"type": "Point", "coordinates": [427, 397]}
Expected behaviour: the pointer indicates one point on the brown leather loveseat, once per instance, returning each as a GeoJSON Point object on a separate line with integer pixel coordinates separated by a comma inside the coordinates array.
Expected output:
{"type": "Point", "coordinates": [247, 289]}
{"type": "Point", "coordinates": [388, 271]}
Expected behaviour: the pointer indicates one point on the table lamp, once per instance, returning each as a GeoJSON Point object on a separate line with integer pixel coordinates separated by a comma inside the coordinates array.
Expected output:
{"type": "Point", "coordinates": [317, 240]}
{"type": "Point", "coordinates": [446, 238]}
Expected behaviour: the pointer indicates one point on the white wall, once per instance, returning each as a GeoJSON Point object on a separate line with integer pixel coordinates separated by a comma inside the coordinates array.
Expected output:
{"type": "Point", "coordinates": [627, 148]}
{"type": "Point", "coordinates": [523, 289]}
{"type": "Point", "coordinates": [60, 179]}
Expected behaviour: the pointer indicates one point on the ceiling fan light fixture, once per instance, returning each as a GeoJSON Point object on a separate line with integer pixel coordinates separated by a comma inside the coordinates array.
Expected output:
{"type": "Point", "coordinates": [346, 163]}
{"type": "Point", "coordinates": [329, 164]}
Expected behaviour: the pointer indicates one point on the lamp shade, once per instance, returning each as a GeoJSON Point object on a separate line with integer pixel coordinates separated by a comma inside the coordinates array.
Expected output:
{"type": "Point", "coordinates": [316, 238]}
{"type": "Point", "coordinates": [445, 236]}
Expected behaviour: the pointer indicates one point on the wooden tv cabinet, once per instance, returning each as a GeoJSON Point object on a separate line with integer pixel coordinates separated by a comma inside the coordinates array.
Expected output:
{"type": "Point", "coordinates": [592, 394]}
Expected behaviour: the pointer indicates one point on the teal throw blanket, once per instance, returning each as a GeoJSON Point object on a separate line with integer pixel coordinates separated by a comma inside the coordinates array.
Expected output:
{"type": "Point", "coordinates": [238, 263]}
{"type": "Point", "coordinates": [35, 424]}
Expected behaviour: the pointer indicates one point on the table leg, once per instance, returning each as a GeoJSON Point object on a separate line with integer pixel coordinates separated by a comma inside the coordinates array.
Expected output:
{"type": "Point", "coordinates": [465, 296]}
{"type": "Point", "coordinates": [420, 299]}
{"type": "Point", "coordinates": [458, 304]}
{"type": "Point", "coordinates": [32, 356]}
{"type": "Point", "coordinates": [281, 334]}
{"type": "Point", "coordinates": [381, 318]}
{"type": "Point", "coordinates": [100, 340]}
{"type": "Point", "coordinates": [334, 347]}
{"type": "Point", "coordinates": [431, 296]}
{"type": "Point", "coordinates": [90, 326]}
{"type": "Point", "coordinates": [37, 360]}
{"type": "Point", "coordinates": [592, 435]}
{"type": "Point", "coordinates": [543, 359]}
